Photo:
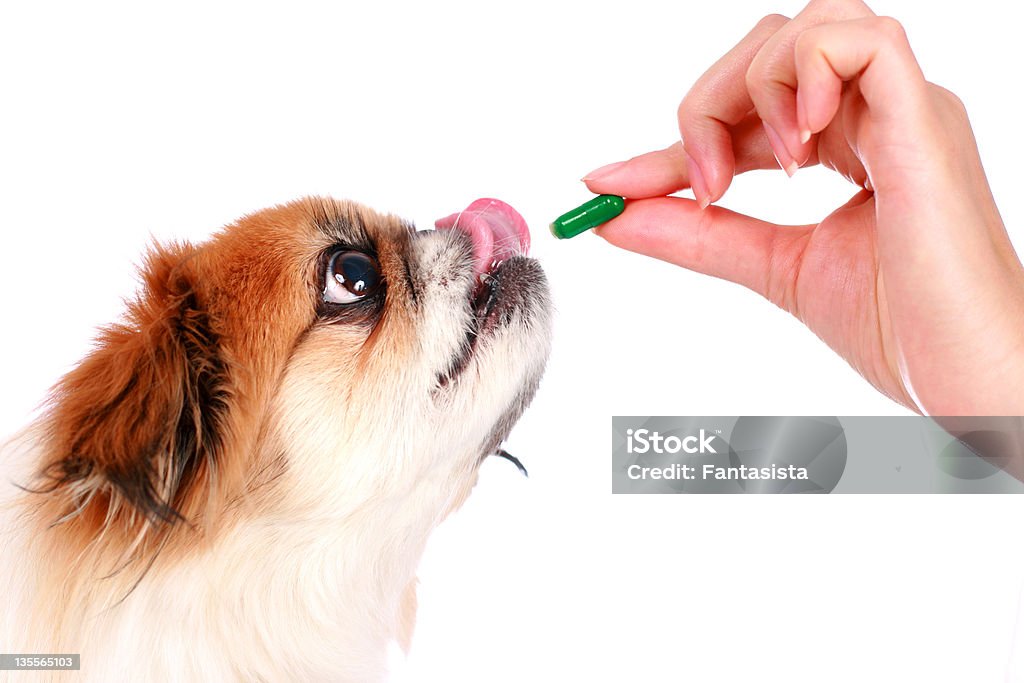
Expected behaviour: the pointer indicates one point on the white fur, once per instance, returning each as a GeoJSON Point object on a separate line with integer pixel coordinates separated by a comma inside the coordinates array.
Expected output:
{"type": "Point", "coordinates": [309, 582]}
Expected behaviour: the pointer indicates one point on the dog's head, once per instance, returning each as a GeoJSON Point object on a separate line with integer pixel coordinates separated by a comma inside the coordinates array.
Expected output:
{"type": "Point", "coordinates": [309, 357]}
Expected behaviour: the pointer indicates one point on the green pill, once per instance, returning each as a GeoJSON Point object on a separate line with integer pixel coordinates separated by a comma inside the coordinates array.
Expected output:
{"type": "Point", "coordinates": [598, 210]}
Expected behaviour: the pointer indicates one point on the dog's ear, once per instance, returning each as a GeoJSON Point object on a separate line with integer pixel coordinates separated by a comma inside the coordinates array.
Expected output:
{"type": "Point", "coordinates": [134, 430]}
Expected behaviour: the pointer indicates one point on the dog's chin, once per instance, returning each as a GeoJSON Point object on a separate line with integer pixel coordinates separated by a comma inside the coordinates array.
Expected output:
{"type": "Point", "coordinates": [503, 353]}
{"type": "Point", "coordinates": [513, 292]}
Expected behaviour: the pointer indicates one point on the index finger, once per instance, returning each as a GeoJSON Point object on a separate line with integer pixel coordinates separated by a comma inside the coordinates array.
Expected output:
{"type": "Point", "coordinates": [662, 172]}
{"type": "Point", "coordinates": [716, 102]}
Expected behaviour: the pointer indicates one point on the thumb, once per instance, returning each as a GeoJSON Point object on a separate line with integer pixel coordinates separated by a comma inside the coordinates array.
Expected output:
{"type": "Point", "coordinates": [761, 256]}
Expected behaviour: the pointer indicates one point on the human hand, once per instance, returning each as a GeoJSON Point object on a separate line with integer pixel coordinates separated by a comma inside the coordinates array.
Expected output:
{"type": "Point", "coordinates": [914, 280]}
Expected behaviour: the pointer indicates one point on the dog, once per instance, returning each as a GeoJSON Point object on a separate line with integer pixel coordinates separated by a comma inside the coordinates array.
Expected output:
{"type": "Point", "coordinates": [238, 481]}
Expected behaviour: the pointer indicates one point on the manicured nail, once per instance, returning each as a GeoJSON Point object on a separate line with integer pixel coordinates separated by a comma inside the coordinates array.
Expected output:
{"type": "Point", "coordinates": [782, 155]}
{"type": "Point", "coordinates": [803, 121]}
{"type": "Point", "coordinates": [603, 172]}
{"type": "Point", "coordinates": [697, 182]}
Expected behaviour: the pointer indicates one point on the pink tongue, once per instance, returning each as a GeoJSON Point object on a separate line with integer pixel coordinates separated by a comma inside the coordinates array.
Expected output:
{"type": "Point", "coordinates": [497, 230]}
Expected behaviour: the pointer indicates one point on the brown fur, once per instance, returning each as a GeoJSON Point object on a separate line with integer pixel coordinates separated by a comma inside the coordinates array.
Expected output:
{"type": "Point", "coordinates": [157, 431]}
{"type": "Point", "coordinates": [244, 472]}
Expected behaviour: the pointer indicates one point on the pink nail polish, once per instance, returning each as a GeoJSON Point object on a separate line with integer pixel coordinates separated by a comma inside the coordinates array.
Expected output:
{"type": "Point", "coordinates": [697, 182]}
{"type": "Point", "coordinates": [782, 155]}
{"type": "Point", "coordinates": [604, 171]}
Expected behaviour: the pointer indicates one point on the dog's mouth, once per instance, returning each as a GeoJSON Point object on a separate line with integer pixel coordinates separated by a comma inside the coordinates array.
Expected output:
{"type": "Point", "coordinates": [497, 231]}
{"type": "Point", "coordinates": [500, 239]}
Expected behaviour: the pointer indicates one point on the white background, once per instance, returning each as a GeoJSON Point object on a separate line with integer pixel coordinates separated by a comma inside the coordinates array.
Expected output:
{"type": "Point", "coordinates": [119, 124]}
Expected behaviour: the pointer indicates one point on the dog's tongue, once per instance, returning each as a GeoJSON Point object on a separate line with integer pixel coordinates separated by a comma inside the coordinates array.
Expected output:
{"type": "Point", "coordinates": [497, 230]}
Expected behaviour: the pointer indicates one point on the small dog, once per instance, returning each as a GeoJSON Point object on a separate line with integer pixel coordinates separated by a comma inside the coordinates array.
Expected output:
{"type": "Point", "coordinates": [237, 483]}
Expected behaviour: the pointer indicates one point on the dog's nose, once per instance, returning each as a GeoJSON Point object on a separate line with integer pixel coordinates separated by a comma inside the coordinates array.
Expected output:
{"type": "Point", "coordinates": [497, 230]}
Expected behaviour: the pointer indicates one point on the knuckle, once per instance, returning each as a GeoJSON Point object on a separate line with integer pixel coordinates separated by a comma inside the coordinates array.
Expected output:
{"type": "Point", "coordinates": [695, 117]}
{"type": "Point", "coordinates": [948, 98]}
{"type": "Point", "coordinates": [684, 109]}
{"type": "Point", "coordinates": [950, 108]}
{"type": "Point", "coordinates": [764, 80]}
{"type": "Point", "coordinates": [891, 29]}
{"type": "Point", "coordinates": [825, 8]}
{"type": "Point", "coordinates": [836, 9]}
{"type": "Point", "coordinates": [686, 113]}
{"type": "Point", "coordinates": [805, 43]}
{"type": "Point", "coordinates": [754, 78]}
{"type": "Point", "coordinates": [772, 21]}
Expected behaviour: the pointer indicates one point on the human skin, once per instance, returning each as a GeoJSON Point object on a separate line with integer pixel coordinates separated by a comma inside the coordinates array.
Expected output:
{"type": "Point", "coordinates": [914, 281]}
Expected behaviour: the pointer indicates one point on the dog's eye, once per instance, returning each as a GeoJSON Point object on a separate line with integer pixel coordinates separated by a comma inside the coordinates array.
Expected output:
{"type": "Point", "coordinates": [351, 276]}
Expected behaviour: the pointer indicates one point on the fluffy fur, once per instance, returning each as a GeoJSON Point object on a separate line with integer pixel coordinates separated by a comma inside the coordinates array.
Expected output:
{"type": "Point", "coordinates": [237, 483]}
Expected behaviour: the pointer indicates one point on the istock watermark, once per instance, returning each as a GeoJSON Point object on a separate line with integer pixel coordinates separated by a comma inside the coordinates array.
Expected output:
{"type": "Point", "coordinates": [644, 440]}
{"type": "Point", "coordinates": [659, 454]}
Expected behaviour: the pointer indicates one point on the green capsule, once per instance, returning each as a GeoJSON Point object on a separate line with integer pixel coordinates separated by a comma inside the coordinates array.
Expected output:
{"type": "Point", "coordinates": [598, 210]}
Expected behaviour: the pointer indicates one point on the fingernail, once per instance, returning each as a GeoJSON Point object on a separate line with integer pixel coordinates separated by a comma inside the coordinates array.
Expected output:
{"type": "Point", "coordinates": [782, 155]}
{"type": "Point", "coordinates": [697, 182]}
{"type": "Point", "coordinates": [801, 117]}
{"type": "Point", "coordinates": [603, 172]}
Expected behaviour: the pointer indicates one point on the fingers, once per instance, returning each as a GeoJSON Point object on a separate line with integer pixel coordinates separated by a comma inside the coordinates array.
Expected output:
{"type": "Point", "coordinates": [663, 172]}
{"type": "Point", "coordinates": [718, 101]}
{"type": "Point", "coordinates": [761, 256]}
{"type": "Point", "coordinates": [719, 120]}
{"type": "Point", "coordinates": [769, 95]}
{"type": "Point", "coordinates": [771, 79]}
{"type": "Point", "coordinates": [876, 50]}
